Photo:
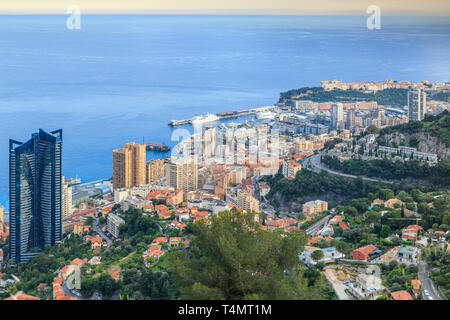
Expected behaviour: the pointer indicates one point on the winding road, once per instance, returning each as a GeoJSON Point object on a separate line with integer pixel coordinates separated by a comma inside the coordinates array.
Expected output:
{"type": "Point", "coordinates": [313, 163]}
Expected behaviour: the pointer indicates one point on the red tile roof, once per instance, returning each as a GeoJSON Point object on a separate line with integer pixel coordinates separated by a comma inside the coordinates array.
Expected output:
{"type": "Point", "coordinates": [160, 239]}
{"type": "Point", "coordinates": [401, 295]}
{"type": "Point", "coordinates": [22, 296]}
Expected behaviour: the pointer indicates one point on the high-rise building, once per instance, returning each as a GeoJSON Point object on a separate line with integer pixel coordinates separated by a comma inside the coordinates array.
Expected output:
{"type": "Point", "coordinates": [337, 115]}
{"type": "Point", "coordinates": [129, 167]}
{"type": "Point", "coordinates": [221, 183]}
{"type": "Point", "coordinates": [350, 123]}
{"type": "Point", "coordinates": [182, 174]}
{"type": "Point", "coordinates": [66, 199]}
{"type": "Point", "coordinates": [417, 104]}
{"type": "Point", "coordinates": [155, 170]}
{"type": "Point", "coordinates": [2, 219]}
{"type": "Point", "coordinates": [35, 175]}
{"type": "Point", "coordinates": [209, 142]}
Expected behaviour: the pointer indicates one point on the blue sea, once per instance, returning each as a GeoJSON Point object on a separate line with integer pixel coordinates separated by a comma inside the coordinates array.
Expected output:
{"type": "Point", "coordinates": [123, 77]}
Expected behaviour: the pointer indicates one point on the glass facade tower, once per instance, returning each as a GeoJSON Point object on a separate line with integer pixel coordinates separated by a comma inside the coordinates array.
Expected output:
{"type": "Point", "coordinates": [35, 182]}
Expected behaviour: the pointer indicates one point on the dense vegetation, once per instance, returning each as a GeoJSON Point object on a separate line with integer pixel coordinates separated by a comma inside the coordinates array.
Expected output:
{"type": "Point", "coordinates": [398, 276]}
{"type": "Point", "coordinates": [397, 97]}
{"type": "Point", "coordinates": [438, 126]}
{"type": "Point", "coordinates": [438, 257]}
{"type": "Point", "coordinates": [387, 169]}
{"type": "Point", "coordinates": [441, 96]}
{"type": "Point", "coordinates": [42, 268]}
{"type": "Point", "coordinates": [233, 258]}
{"type": "Point", "coordinates": [138, 226]}
{"type": "Point", "coordinates": [308, 183]}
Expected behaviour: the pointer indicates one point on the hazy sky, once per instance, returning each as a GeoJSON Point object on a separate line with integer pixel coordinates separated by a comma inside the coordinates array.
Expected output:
{"type": "Point", "coordinates": [402, 7]}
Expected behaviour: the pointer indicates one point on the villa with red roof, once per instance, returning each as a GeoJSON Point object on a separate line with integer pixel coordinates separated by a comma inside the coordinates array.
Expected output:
{"type": "Point", "coordinates": [401, 295]}
{"type": "Point", "coordinates": [363, 252]}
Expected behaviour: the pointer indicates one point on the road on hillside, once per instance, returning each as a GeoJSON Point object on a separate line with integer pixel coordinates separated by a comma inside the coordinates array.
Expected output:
{"type": "Point", "coordinates": [100, 232]}
{"type": "Point", "coordinates": [427, 283]}
{"type": "Point", "coordinates": [313, 163]}
{"type": "Point", "coordinates": [318, 225]}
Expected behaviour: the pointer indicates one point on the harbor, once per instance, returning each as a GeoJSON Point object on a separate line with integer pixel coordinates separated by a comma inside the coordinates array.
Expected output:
{"type": "Point", "coordinates": [219, 116]}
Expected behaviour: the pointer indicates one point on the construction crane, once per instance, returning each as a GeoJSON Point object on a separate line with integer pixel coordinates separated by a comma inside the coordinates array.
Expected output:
{"type": "Point", "coordinates": [412, 218]}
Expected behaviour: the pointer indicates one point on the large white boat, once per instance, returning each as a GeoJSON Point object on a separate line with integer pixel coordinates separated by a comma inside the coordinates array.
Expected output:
{"type": "Point", "coordinates": [265, 115]}
{"type": "Point", "coordinates": [204, 119]}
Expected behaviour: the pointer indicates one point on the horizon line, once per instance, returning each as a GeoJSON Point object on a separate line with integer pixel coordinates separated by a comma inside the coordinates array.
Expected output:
{"type": "Point", "coordinates": [226, 12]}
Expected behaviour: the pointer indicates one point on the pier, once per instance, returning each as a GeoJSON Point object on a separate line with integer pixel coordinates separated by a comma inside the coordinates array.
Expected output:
{"type": "Point", "coordinates": [225, 115]}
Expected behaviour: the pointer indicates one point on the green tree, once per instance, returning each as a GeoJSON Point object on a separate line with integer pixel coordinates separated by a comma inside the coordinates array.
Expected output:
{"type": "Point", "coordinates": [385, 231]}
{"type": "Point", "coordinates": [233, 258]}
{"type": "Point", "coordinates": [317, 255]}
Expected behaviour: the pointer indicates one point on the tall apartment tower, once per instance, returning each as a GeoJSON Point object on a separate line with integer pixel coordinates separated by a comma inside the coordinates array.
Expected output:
{"type": "Point", "coordinates": [417, 104]}
{"type": "Point", "coordinates": [209, 142]}
{"type": "Point", "coordinates": [182, 174]}
{"type": "Point", "coordinates": [155, 170]}
{"type": "Point", "coordinates": [35, 194]}
{"type": "Point", "coordinates": [66, 199]}
{"type": "Point", "coordinates": [2, 219]}
{"type": "Point", "coordinates": [337, 115]}
{"type": "Point", "coordinates": [129, 167]}
{"type": "Point", "coordinates": [350, 119]}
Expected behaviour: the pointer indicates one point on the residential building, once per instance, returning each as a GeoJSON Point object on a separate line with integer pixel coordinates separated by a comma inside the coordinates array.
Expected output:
{"type": "Point", "coordinates": [129, 168]}
{"type": "Point", "coordinates": [302, 146]}
{"type": "Point", "coordinates": [66, 199]}
{"type": "Point", "coordinates": [174, 241]}
{"type": "Point", "coordinates": [417, 285]}
{"type": "Point", "coordinates": [96, 242]}
{"type": "Point", "coordinates": [35, 172]}
{"type": "Point", "coordinates": [221, 183]}
{"type": "Point", "coordinates": [155, 170]}
{"type": "Point", "coordinates": [2, 219]}
{"type": "Point", "coordinates": [290, 169]}
{"type": "Point", "coordinates": [80, 228]}
{"type": "Point", "coordinates": [328, 254]}
{"type": "Point", "coordinates": [22, 296]}
{"type": "Point", "coordinates": [209, 142]}
{"type": "Point", "coordinates": [163, 211]}
{"type": "Point", "coordinates": [246, 201]}
{"type": "Point", "coordinates": [411, 232]}
{"type": "Point", "coordinates": [350, 122]}
{"type": "Point", "coordinates": [363, 252]}
{"type": "Point", "coordinates": [417, 104]}
{"type": "Point", "coordinates": [113, 223]}
{"type": "Point", "coordinates": [401, 295]}
{"type": "Point", "coordinates": [182, 174]}
{"type": "Point", "coordinates": [314, 207]}
{"type": "Point", "coordinates": [238, 173]}
{"type": "Point", "coordinates": [169, 196]}
{"type": "Point", "coordinates": [337, 116]}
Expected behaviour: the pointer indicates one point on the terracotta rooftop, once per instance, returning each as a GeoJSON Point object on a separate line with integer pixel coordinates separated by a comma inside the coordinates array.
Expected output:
{"type": "Point", "coordinates": [401, 295]}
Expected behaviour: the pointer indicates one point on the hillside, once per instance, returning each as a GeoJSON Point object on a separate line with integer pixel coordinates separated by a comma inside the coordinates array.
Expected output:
{"type": "Point", "coordinates": [431, 135]}
{"type": "Point", "coordinates": [397, 97]}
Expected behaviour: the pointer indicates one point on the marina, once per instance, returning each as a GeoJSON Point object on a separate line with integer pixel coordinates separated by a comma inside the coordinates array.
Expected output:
{"type": "Point", "coordinates": [220, 116]}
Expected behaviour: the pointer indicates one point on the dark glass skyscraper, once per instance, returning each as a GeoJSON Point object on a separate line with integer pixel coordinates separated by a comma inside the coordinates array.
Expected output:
{"type": "Point", "coordinates": [35, 178]}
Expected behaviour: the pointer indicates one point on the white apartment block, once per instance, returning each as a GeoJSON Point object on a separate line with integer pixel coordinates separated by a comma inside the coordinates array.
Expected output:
{"type": "Point", "coordinates": [113, 223]}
